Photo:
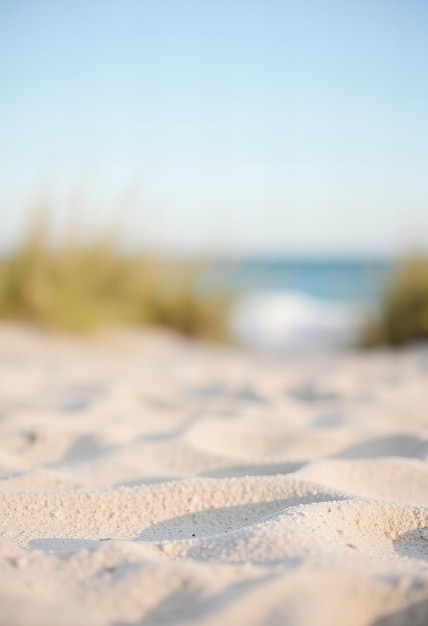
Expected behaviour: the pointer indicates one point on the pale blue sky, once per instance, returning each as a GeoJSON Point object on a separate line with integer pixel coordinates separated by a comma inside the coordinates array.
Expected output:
{"type": "Point", "coordinates": [271, 126]}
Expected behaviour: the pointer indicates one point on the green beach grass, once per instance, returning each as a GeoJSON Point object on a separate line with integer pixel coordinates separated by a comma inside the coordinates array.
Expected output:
{"type": "Point", "coordinates": [403, 310]}
{"type": "Point", "coordinates": [81, 286]}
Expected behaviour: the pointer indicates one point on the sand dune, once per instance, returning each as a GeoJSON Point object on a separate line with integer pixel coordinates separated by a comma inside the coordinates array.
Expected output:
{"type": "Point", "coordinates": [149, 480]}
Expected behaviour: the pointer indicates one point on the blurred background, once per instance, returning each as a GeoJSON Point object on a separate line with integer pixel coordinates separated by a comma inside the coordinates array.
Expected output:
{"type": "Point", "coordinates": [252, 170]}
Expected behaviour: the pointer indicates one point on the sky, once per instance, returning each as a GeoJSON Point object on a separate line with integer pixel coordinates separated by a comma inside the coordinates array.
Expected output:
{"type": "Point", "coordinates": [229, 126]}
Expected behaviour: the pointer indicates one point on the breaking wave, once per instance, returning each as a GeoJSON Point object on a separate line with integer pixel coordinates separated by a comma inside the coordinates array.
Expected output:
{"type": "Point", "coordinates": [284, 320]}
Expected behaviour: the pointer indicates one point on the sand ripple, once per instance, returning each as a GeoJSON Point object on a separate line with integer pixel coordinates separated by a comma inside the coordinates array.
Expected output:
{"type": "Point", "coordinates": [153, 481]}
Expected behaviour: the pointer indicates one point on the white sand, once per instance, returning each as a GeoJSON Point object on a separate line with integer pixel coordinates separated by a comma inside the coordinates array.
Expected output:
{"type": "Point", "coordinates": [155, 481]}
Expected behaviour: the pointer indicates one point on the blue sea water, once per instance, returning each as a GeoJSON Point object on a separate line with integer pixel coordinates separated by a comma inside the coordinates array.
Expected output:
{"type": "Point", "coordinates": [344, 280]}
{"type": "Point", "coordinates": [301, 303]}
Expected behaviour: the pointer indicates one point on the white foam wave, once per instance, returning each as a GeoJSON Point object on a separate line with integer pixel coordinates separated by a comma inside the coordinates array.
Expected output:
{"type": "Point", "coordinates": [293, 320]}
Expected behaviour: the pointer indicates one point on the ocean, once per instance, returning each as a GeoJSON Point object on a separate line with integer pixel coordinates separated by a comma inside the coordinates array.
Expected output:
{"type": "Point", "coordinates": [287, 303]}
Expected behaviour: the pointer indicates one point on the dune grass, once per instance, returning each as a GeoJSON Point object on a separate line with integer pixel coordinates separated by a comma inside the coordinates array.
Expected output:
{"type": "Point", "coordinates": [403, 311]}
{"type": "Point", "coordinates": [81, 286]}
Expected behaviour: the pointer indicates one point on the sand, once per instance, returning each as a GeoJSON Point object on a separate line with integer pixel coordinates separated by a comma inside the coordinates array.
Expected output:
{"type": "Point", "coordinates": [145, 479]}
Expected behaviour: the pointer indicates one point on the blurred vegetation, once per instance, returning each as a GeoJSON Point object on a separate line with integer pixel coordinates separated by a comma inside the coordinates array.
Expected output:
{"type": "Point", "coordinates": [403, 313]}
{"type": "Point", "coordinates": [78, 286]}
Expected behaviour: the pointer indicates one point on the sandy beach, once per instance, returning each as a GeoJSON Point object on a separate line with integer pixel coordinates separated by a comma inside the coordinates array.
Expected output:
{"type": "Point", "coordinates": [146, 479]}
